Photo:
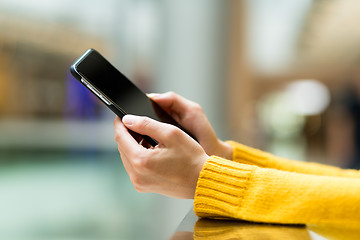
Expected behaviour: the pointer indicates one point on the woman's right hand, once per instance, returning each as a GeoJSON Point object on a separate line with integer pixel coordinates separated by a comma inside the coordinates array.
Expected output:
{"type": "Point", "coordinates": [191, 116]}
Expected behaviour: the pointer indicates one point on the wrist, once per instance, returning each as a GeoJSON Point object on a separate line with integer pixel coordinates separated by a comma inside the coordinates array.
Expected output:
{"type": "Point", "coordinates": [201, 162]}
{"type": "Point", "coordinates": [226, 150]}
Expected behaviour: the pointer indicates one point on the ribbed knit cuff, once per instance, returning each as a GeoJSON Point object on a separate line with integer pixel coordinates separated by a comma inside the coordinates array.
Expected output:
{"type": "Point", "coordinates": [221, 188]}
{"type": "Point", "coordinates": [248, 155]}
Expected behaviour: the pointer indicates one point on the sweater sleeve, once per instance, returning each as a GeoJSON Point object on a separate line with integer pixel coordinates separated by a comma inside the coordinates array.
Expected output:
{"type": "Point", "coordinates": [227, 189]}
{"type": "Point", "coordinates": [248, 155]}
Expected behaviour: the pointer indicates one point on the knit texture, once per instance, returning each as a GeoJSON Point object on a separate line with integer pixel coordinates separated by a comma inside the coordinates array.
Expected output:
{"type": "Point", "coordinates": [228, 189]}
{"type": "Point", "coordinates": [248, 155]}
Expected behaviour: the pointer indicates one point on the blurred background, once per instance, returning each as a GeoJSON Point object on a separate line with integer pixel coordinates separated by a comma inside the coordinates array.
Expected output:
{"type": "Point", "coordinates": [283, 76]}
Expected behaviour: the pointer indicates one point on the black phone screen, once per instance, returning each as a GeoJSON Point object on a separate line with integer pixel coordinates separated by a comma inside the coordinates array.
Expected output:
{"type": "Point", "coordinates": [119, 89]}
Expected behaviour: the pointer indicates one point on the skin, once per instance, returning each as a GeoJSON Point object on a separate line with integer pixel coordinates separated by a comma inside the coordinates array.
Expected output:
{"type": "Point", "coordinates": [171, 168]}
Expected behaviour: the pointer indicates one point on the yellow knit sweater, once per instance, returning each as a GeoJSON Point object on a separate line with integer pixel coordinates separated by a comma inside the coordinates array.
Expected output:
{"type": "Point", "coordinates": [257, 186]}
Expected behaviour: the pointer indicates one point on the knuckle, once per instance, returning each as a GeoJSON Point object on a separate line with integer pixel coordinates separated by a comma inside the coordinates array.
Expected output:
{"type": "Point", "coordinates": [197, 107]}
{"type": "Point", "coordinates": [139, 189]}
{"type": "Point", "coordinates": [116, 121]}
{"type": "Point", "coordinates": [172, 132]}
{"type": "Point", "coordinates": [117, 137]}
{"type": "Point", "coordinates": [142, 163]}
{"type": "Point", "coordinates": [138, 183]}
{"type": "Point", "coordinates": [138, 164]}
{"type": "Point", "coordinates": [145, 122]}
{"type": "Point", "coordinates": [171, 93]}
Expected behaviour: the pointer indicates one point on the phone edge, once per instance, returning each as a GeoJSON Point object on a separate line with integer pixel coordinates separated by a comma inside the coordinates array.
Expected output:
{"type": "Point", "coordinates": [112, 107]}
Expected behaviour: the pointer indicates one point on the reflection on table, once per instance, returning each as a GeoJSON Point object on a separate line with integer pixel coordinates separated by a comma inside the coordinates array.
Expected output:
{"type": "Point", "coordinates": [195, 228]}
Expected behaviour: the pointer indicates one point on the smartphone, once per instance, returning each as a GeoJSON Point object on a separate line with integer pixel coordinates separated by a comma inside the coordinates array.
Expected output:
{"type": "Point", "coordinates": [116, 91]}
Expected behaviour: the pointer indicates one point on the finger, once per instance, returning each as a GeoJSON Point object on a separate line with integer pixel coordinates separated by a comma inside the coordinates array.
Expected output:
{"type": "Point", "coordinates": [127, 164]}
{"type": "Point", "coordinates": [172, 103]}
{"type": "Point", "coordinates": [147, 126]}
{"type": "Point", "coordinates": [126, 143]}
{"type": "Point", "coordinates": [121, 131]}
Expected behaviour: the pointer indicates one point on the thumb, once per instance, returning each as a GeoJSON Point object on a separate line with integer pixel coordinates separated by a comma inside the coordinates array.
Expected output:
{"type": "Point", "coordinates": [147, 126]}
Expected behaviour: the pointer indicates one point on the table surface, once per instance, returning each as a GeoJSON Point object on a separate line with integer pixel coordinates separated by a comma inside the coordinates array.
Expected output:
{"type": "Point", "coordinates": [194, 228]}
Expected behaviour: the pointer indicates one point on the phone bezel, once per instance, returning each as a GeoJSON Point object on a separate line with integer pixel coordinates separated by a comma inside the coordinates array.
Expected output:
{"type": "Point", "coordinates": [112, 106]}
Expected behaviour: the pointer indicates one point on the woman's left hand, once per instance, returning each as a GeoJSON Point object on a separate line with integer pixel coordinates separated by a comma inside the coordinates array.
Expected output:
{"type": "Point", "coordinates": [171, 168]}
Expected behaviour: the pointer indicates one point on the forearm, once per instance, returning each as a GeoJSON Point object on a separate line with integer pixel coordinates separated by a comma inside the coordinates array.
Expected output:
{"type": "Point", "coordinates": [228, 189]}
{"type": "Point", "coordinates": [248, 155]}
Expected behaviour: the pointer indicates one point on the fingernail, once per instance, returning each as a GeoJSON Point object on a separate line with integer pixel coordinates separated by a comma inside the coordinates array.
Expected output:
{"type": "Point", "coordinates": [128, 119]}
{"type": "Point", "coordinates": [153, 95]}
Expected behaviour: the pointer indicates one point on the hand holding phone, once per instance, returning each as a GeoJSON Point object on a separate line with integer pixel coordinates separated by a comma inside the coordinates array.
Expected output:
{"type": "Point", "coordinates": [116, 91]}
